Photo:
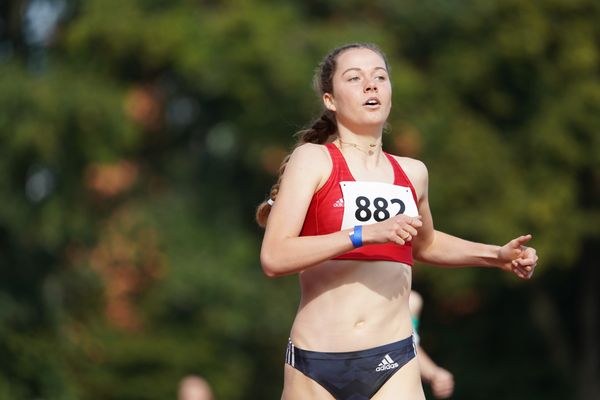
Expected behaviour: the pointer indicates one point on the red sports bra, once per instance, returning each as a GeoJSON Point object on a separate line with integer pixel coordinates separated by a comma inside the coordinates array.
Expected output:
{"type": "Point", "coordinates": [326, 210]}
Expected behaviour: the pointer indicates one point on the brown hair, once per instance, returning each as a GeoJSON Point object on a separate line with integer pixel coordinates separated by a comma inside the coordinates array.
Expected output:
{"type": "Point", "coordinates": [324, 126]}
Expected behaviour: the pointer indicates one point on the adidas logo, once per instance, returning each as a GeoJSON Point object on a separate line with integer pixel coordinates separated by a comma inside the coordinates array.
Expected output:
{"type": "Point", "coordinates": [339, 203]}
{"type": "Point", "coordinates": [386, 363]}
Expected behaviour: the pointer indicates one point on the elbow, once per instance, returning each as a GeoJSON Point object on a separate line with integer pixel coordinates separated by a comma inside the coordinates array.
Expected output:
{"type": "Point", "coordinates": [416, 251]}
{"type": "Point", "coordinates": [270, 266]}
{"type": "Point", "coordinates": [420, 251]}
{"type": "Point", "coordinates": [417, 255]}
{"type": "Point", "coordinates": [424, 257]}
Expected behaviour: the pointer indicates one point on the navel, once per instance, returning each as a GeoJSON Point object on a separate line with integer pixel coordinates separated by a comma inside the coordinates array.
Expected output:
{"type": "Point", "coordinates": [359, 324]}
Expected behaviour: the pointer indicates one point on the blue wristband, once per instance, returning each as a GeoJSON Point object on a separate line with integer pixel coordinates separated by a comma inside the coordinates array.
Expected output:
{"type": "Point", "coordinates": [356, 236]}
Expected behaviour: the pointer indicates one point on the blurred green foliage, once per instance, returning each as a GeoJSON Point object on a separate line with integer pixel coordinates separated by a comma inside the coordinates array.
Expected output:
{"type": "Point", "coordinates": [137, 137]}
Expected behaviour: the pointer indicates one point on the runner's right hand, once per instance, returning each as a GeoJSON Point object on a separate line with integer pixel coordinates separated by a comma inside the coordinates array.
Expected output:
{"type": "Point", "coordinates": [399, 229]}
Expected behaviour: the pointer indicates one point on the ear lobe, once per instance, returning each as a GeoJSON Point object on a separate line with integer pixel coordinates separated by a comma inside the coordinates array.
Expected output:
{"type": "Point", "coordinates": [329, 102]}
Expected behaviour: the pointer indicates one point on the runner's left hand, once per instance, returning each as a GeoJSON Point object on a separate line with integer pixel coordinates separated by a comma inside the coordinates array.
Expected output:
{"type": "Point", "coordinates": [517, 258]}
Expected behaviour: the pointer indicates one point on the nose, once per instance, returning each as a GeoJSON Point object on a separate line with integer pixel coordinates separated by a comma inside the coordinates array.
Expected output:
{"type": "Point", "coordinates": [371, 86]}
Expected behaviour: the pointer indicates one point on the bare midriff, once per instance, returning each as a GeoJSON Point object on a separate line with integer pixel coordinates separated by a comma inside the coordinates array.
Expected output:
{"type": "Point", "coordinates": [350, 305]}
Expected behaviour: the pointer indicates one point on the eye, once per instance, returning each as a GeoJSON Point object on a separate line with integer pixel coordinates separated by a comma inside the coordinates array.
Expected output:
{"type": "Point", "coordinates": [381, 77]}
{"type": "Point", "coordinates": [353, 79]}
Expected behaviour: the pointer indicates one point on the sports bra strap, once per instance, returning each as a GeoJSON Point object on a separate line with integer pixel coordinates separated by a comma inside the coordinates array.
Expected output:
{"type": "Point", "coordinates": [399, 174]}
{"type": "Point", "coordinates": [338, 160]}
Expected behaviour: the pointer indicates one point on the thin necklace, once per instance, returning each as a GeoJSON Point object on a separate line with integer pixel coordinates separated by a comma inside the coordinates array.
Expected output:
{"type": "Point", "coordinates": [368, 151]}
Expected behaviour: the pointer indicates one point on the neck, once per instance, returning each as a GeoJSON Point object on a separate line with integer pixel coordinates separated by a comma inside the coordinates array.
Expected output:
{"type": "Point", "coordinates": [364, 134]}
{"type": "Point", "coordinates": [368, 142]}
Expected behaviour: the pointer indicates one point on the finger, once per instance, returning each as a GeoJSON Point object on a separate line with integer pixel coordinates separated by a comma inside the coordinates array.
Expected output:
{"type": "Point", "coordinates": [516, 269]}
{"type": "Point", "coordinates": [398, 240]}
{"type": "Point", "coordinates": [517, 244]}
{"type": "Point", "coordinates": [529, 252]}
{"type": "Point", "coordinates": [525, 273]}
{"type": "Point", "coordinates": [521, 273]}
{"type": "Point", "coordinates": [518, 273]}
{"type": "Point", "coordinates": [527, 259]}
{"type": "Point", "coordinates": [527, 263]}
{"type": "Point", "coordinates": [405, 236]}
{"type": "Point", "coordinates": [522, 262]}
{"type": "Point", "coordinates": [410, 230]}
{"type": "Point", "coordinates": [530, 274]}
{"type": "Point", "coordinates": [416, 222]}
{"type": "Point", "coordinates": [521, 240]}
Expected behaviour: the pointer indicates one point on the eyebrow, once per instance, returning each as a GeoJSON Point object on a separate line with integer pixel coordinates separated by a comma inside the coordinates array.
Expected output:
{"type": "Point", "coordinates": [358, 69]}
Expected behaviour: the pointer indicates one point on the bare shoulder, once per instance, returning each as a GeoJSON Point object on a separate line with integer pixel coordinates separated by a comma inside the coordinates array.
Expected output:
{"type": "Point", "coordinates": [311, 151]}
{"type": "Point", "coordinates": [310, 157]}
{"type": "Point", "coordinates": [415, 169]}
{"type": "Point", "coordinates": [301, 178]}
{"type": "Point", "coordinates": [309, 162]}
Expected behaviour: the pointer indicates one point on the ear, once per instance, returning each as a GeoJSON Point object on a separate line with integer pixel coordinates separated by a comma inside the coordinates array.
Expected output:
{"type": "Point", "coordinates": [329, 102]}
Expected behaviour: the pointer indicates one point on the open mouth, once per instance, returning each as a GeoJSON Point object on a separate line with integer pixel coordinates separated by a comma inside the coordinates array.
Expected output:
{"type": "Point", "coordinates": [372, 102]}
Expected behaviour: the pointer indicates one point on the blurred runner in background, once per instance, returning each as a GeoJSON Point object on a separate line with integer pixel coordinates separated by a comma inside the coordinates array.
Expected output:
{"type": "Point", "coordinates": [194, 387]}
{"type": "Point", "coordinates": [440, 379]}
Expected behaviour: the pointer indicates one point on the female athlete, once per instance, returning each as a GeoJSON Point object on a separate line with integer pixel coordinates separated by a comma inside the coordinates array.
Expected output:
{"type": "Point", "coordinates": [350, 220]}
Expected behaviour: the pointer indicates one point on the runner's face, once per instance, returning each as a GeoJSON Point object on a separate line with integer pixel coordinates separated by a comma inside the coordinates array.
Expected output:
{"type": "Point", "coordinates": [362, 93]}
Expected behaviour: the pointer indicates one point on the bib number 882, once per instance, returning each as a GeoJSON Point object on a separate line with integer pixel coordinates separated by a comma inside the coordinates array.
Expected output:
{"type": "Point", "coordinates": [380, 208]}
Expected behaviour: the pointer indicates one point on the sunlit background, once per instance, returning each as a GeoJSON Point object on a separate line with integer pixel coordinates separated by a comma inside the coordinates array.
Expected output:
{"type": "Point", "coordinates": [138, 136]}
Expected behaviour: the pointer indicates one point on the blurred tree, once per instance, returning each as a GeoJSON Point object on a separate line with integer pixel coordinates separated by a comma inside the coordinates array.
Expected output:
{"type": "Point", "coordinates": [137, 137]}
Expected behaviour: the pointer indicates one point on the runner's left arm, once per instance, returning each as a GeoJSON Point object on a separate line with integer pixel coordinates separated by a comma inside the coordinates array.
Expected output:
{"type": "Point", "coordinates": [438, 248]}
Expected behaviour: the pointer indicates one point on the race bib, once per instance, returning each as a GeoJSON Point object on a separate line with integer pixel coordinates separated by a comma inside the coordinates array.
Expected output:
{"type": "Point", "coordinates": [370, 202]}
